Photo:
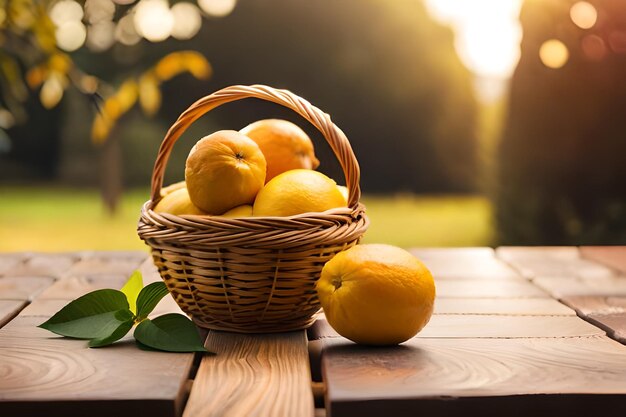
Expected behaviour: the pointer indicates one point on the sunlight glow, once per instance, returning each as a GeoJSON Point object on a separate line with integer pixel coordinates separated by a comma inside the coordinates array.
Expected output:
{"type": "Point", "coordinates": [553, 53]}
{"type": "Point", "coordinates": [584, 15]}
{"type": "Point", "coordinates": [488, 33]}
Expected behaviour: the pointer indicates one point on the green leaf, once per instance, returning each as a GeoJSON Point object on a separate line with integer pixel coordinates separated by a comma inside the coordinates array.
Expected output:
{"type": "Point", "coordinates": [94, 315]}
{"type": "Point", "coordinates": [132, 288]}
{"type": "Point", "coordinates": [149, 297]}
{"type": "Point", "coordinates": [126, 321]}
{"type": "Point", "coordinates": [171, 333]}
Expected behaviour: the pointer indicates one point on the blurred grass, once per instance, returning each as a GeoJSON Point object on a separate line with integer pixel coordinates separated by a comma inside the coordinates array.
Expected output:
{"type": "Point", "coordinates": [60, 219]}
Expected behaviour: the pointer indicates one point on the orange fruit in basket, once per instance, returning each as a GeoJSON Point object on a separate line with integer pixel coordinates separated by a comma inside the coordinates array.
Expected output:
{"type": "Point", "coordinates": [172, 187]}
{"type": "Point", "coordinates": [344, 192]}
{"type": "Point", "coordinates": [376, 294]}
{"type": "Point", "coordinates": [297, 191]}
{"type": "Point", "coordinates": [224, 170]}
{"type": "Point", "coordinates": [284, 145]}
{"type": "Point", "coordinates": [176, 202]}
{"type": "Point", "coordinates": [239, 211]}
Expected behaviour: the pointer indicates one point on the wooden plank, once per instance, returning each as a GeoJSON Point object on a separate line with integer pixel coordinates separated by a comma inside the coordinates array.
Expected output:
{"type": "Point", "coordinates": [486, 326]}
{"type": "Point", "coordinates": [468, 263]}
{"type": "Point", "coordinates": [22, 288]}
{"type": "Point", "coordinates": [73, 287]}
{"type": "Point", "coordinates": [11, 260]}
{"type": "Point", "coordinates": [599, 305]}
{"type": "Point", "coordinates": [563, 287]}
{"type": "Point", "coordinates": [9, 309]}
{"type": "Point", "coordinates": [48, 375]}
{"type": "Point", "coordinates": [493, 377]}
{"type": "Point", "coordinates": [611, 256]}
{"type": "Point", "coordinates": [104, 263]}
{"type": "Point", "coordinates": [462, 288]}
{"type": "Point", "coordinates": [497, 306]}
{"type": "Point", "coordinates": [253, 375]}
{"type": "Point", "coordinates": [613, 324]}
{"type": "Point", "coordinates": [534, 262]}
{"type": "Point", "coordinates": [45, 265]}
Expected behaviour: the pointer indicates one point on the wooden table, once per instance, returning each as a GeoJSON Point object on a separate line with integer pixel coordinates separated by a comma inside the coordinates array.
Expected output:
{"type": "Point", "coordinates": [516, 332]}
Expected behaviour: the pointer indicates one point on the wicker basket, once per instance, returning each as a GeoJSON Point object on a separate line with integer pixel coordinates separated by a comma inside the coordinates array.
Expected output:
{"type": "Point", "coordinates": [256, 274]}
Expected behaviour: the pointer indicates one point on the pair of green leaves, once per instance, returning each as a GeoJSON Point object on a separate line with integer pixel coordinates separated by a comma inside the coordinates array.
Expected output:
{"type": "Point", "coordinates": [105, 316]}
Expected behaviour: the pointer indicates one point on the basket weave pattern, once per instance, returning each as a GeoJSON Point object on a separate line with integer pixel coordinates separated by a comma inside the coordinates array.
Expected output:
{"type": "Point", "coordinates": [253, 274]}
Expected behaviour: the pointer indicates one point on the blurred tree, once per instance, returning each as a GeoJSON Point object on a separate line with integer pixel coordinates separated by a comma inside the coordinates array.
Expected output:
{"type": "Point", "coordinates": [562, 171]}
{"type": "Point", "coordinates": [35, 36]}
{"type": "Point", "coordinates": [385, 71]}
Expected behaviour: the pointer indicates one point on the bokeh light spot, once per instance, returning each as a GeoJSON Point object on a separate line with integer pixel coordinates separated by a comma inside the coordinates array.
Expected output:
{"type": "Point", "coordinates": [154, 20]}
{"type": "Point", "coordinates": [553, 53]}
{"type": "Point", "coordinates": [584, 15]}
{"type": "Point", "coordinates": [594, 47]}
{"type": "Point", "coordinates": [71, 35]}
{"type": "Point", "coordinates": [66, 11]}
{"type": "Point", "coordinates": [101, 36]}
{"type": "Point", "coordinates": [617, 41]}
{"type": "Point", "coordinates": [99, 10]}
{"type": "Point", "coordinates": [187, 20]}
{"type": "Point", "coordinates": [125, 31]}
{"type": "Point", "coordinates": [217, 8]}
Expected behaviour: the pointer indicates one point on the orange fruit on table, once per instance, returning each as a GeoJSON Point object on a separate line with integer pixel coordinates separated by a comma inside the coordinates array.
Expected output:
{"type": "Point", "coordinates": [177, 202]}
{"type": "Point", "coordinates": [376, 294]}
{"type": "Point", "coordinates": [284, 145]}
{"type": "Point", "coordinates": [224, 170]}
{"type": "Point", "coordinates": [297, 191]}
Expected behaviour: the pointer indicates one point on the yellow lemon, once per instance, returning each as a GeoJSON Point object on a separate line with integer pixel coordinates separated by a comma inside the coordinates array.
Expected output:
{"type": "Point", "coordinates": [376, 294]}
{"type": "Point", "coordinates": [297, 191]}
{"type": "Point", "coordinates": [177, 202]}
{"type": "Point", "coordinates": [284, 145]}
{"type": "Point", "coordinates": [224, 170]}
{"type": "Point", "coordinates": [239, 211]}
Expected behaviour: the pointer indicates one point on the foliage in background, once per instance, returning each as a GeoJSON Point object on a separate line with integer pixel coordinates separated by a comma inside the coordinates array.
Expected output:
{"type": "Point", "coordinates": [35, 34]}
{"type": "Point", "coordinates": [562, 176]}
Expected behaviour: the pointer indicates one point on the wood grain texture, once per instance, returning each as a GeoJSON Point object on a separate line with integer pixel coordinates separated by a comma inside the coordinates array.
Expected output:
{"type": "Point", "coordinates": [53, 265]}
{"type": "Point", "coordinates": [253, 375]}
{"type": "Point", "coordinates": [23, 288]}
{"type": "Point", "coordinates": [463, 288]}
{"type": "Point", "coordinates": [43, 374]}
{"type": "Point", "coordinates": [496, 377]}
{"type": "Point", "coordinates": [9, 309]}
{"type": "Point", "coordinates": [506, 306]}
{"type": "Point", "coordinates": [464, 263]}
{"type": "Point", "coordinates": [488, 327]}
{"type": "Point", "coordinates": [107, 263]}
{"type": "Point", "coordinates": [586, 305]}
{"type": "Point", "coordinates": [563, 287]}
{"type": "Point", "coordinates": [613, 324]}
{"type": "Point", "coordinates": [537, 262]}
{"type": "Point", "coordinates": [72, 287]}
{"type": "Point", "coordinates": [611, 256]}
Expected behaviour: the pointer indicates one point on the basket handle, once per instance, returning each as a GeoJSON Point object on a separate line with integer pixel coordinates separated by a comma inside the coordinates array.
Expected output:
{"type": "Point", "coordinates": [333, 135]}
